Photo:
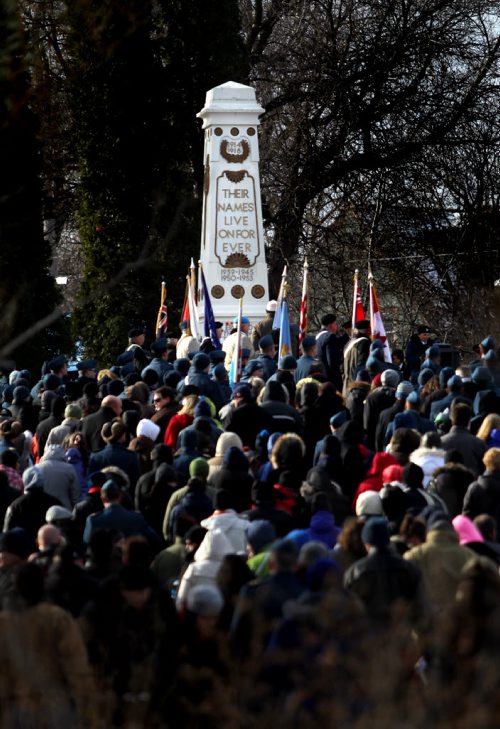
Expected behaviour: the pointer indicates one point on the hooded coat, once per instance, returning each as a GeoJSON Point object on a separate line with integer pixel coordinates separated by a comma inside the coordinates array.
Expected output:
{"type": "Point", "coordinates": [59, 477]}
{"type": "Point", "coordinates": [322, 528]}
{"type": "Point", "coordinates": [483, 496]}
{"type": "Point", "coordinates": [207, 561]}
{"type": "Point", "coordinates": [231, 525]}
{"type": "Point", "coordinates": [429, 460]}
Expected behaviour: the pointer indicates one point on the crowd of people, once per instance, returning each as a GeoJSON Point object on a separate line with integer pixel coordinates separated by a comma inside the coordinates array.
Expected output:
{"type": "Point", "coordinates": [319, 538]}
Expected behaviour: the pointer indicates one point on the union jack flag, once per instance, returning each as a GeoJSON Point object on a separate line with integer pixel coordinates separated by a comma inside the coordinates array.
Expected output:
{"type": "Point", "coordinates": [162, 318]}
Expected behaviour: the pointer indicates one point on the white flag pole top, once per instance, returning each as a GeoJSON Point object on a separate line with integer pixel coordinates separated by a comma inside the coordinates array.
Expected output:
{"type": "Point", "coordinates": [232, 235]}
{"type": "Point", "coordinates": [354, 298]}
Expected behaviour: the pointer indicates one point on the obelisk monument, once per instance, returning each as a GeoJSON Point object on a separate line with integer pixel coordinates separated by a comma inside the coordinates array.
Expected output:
{"type": "Point", "coordinates": [232, 241]}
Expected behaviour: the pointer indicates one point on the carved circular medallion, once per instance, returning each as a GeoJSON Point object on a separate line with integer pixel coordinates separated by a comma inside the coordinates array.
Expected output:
{"type": "Point", "coordinates": [237, 292]}
{"type": "Point", "coordinates": [235, 131]}
{"type": "Point", "coordinates": [258, 291]}
{"type": "Point", "coordinates": [217, 291]}
{"type": "Point", "coordinates": [251, 131]}
{"type": "Point", "coordinates": [218, 132]}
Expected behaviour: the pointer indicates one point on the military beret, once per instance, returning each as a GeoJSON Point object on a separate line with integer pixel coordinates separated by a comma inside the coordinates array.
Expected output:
{"type": "Point", "coordinates": [86, 364]}
{"type": "Point", "coordinates": [135, 332]}
{"type": "Point", "coordinates": [57, 362]}
{"type": "Point", "coordinates": [308, 341]}
{"type": "Point", "coordinates": [124, 358]}
{"type": "Point", "coordinates": [51, 382]}
{"type": "Point", "coordinates": [159, 345]}
{"type": "Point", "coordinates": [244, 320]}
{"type": "Point", "coordinates": [488, 342]}
{"type": "Point", "coordinates": [266, 341]}
{"type": "Point", "coordinates": [288, 362]}
{"type": "Point", "coordinates": [362, 324]}
{"type": "Point", "coordinates": [216, 356]}
{"type": "Point", "coordinates": [201, 360]}
{"type": "Point", "coordinates": [424, 329]}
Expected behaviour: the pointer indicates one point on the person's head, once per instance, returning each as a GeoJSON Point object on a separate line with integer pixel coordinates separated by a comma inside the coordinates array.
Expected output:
{"type": "Point", "coordinates": [375, 533]}
{"type": "Point", "coordinates": [309, 346]}
{"type": "Point", "coordinates": [204, 603]}
{"type": "Point", "coordinates": [413, 530]}
{"type": "Point", "coordinates": [110, 401]}
{"type": "Point", "coordinates": [267, 345]}
{"type": "Point", "coordinates": [491, 422]}
{"type": "Point", "coordinates": [10, 458]}
{"type": "Point", "coordinates": [413, 476]}
{"type": "Point", "coordinates": [114, 431]}
{"type": "Point", "coordinates": [48, 537]}
{"type": "Point", "coordinates": [245, 323]}
{"type": "Point", "coordinates": [329, 322]}
{"type": "Point", "coordinates": [136, 336]}
{"type": "Point", "coordinates": [283, 556]}
{"type": "Point", "coordinates": [193, 538]}
{"type": "Point", "coordinates": [15, 546]}
{"type": "Point", "coordinates": [487, 525]}
{"type": "Point", "coordinates": [432, 439]}
{"type": "Point", "coordinates": [460, 414]}
{"type": "Point", "coordinates": [491, 459]}
{"type": "Point", "coordinates": [136, 586]}
{"type": "Point", "coordinates": [260, 534]}
{"type": "Point", "coordinates": [242, 394]}
{"type": "Point", "coordinates": [110, 493]}
{"type": "Point", "coordinates": [424, 332]}
{"type": "Point", "coordinates": [398, 357]}
{"type": "Point", "coordinates": [188, 404]}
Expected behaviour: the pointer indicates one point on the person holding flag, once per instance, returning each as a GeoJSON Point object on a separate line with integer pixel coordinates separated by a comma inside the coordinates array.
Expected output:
{"type": "Point", "coordinates": [229, 346]}
{"type": "Point", "coordinates": [329, 349]}
{"type": "Point", "coordinates": [189, 341]}
{"type": "Point", "coordinates": [212, 328]}
{"type": "Point", "coordinates": [376, 323]}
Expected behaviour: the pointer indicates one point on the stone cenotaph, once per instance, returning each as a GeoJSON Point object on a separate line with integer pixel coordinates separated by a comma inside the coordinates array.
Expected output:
{"type": "Point", "coordinates": [232, 242]}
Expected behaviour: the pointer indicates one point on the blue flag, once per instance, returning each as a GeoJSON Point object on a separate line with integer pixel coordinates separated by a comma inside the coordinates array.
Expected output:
{"type": "Point", "coordinates": [209, 319]}
{"type": "Point", "coordinates": [285, 343]}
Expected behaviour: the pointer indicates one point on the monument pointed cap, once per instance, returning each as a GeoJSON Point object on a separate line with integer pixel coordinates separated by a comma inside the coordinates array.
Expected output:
{"type": "Point", "coordinates": [230, 100]}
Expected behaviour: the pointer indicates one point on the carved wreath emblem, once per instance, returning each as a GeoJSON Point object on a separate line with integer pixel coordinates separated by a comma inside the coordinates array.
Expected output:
{"type": "Point", "coordinates": [231, 157]}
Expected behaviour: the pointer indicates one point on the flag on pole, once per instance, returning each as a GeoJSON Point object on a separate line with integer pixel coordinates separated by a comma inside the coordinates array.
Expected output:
{"type": "Point", "coordinates": [162, 318]}
{"type": "Point", "coordinates": [209, 319]}
{"type": "Point", "coordinates": [303, 304]}
{"type": "Point", "coordinates": [193, 313]}
{"type": "Point", "coordinates": [235, 367]}
{"type": "Point", "coordinates": [186, 315]}
{"type": "Point", "coordinates": [277, 313]}
{"type": "Point", "coordinates": [358, 312]}
{"type": "Point", "coordinates": [376, 323]}
{"type": "Point", "coordinates": [193, 281]}
{"type": "Point", "coordinates": [285, 342]}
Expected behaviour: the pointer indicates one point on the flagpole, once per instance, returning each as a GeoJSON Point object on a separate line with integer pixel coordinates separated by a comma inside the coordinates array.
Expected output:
{"type": "Point", "coordinates": [303, 304]}
{"type": "Point", "coordinates": [163, 298]}
{"type": "Point", "coordinates": [355, 298]}
{"type": "Point", "coordinates": [277, 314]}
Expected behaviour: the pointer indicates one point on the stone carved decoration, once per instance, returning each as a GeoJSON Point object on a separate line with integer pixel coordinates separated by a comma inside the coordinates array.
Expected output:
{"type": "Point", "coordinates": [235, 157]}
{"type": "Point", "coordinates": [235, 177]}
{"type": "Point", "coordinates": [237, 292]}
{"type": "Point", "coordinates": [258, 291]}
{"type": "Point", "coordinates": [217, 291]}
{"type": "Point", "coordinates": [237, 260]}
{"type": "Point", "coordinates": [206, 177]}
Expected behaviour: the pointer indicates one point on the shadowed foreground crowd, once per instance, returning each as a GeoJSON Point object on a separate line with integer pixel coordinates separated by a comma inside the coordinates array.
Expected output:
{"type": "Point", "coordinates": [177, 553]}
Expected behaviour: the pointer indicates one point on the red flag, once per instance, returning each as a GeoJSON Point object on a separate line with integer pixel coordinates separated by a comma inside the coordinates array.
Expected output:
{"type": "Point", "coordinates": [376, 323]}
{"type": "Point", "coordinates": [358, 312]}
{"type": "Point", "coordinates": [185, 309]}
{"type": "Point", "coordinates": [303, 304]}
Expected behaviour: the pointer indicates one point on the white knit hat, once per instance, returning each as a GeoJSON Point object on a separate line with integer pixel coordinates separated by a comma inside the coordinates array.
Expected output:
{"type": "Point", "coordinates": [369, 503]}
{"type": "Point", "coordinates": [147, 428]}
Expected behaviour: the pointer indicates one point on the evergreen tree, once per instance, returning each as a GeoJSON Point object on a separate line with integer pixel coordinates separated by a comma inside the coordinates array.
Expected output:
{"type": "Point", "coordinates": [28, 293]}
